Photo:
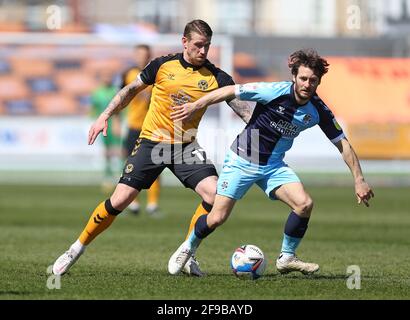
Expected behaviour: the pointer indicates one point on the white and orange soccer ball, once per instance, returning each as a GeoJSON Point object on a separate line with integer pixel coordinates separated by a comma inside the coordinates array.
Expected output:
{"type": "Point", "coordinates": [248, 261]}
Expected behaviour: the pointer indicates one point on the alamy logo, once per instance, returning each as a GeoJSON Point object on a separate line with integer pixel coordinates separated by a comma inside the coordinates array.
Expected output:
{"type": "Point", "coordinates": [53, 281]}
{"type": "Point", "coordinates": [354, 277]}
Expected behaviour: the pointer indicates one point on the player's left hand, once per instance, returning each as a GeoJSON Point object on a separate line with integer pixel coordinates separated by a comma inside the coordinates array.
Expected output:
{"type": "Point", "coordinates": [182, 112]}
{"type": "Point", "coordinates": [363, 192]}
{"type": "Point", "coordinates": [100, 125]}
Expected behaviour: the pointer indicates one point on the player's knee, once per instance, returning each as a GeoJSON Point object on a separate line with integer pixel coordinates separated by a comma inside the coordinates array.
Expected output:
{"type": "Point", "coordinates": [215, 220]}
{"type": "Point", "coordinates": [304, 208]}
{"type": "Point", "coordinates": [207, 189]}
{"type": "Point", "coordinates": [207, 195]}
{"type": "Point", "coordinates": [121, 199]}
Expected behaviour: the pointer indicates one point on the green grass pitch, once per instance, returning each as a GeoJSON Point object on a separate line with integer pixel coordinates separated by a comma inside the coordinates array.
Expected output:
{"type": "Point", "coordinates": [129, 260]}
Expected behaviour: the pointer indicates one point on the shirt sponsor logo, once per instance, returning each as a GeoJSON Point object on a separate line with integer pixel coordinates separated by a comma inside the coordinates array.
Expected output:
{"type": "Point", "coordinates": [179, 98]}
{"type": "Point", "coordinates": [285, 128]}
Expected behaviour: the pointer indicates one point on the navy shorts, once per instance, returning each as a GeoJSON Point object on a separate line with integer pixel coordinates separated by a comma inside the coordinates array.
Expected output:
{"type": "Point", "coordinates": [188, 162]}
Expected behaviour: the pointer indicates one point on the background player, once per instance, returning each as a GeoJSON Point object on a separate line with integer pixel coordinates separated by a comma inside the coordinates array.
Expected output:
{"type": "Point", "coordinates": [136, 112]}
{"type": "Point", "coordinates": [100, 97]}
{"type": "Point", "coordinates": [283, 110]}
{"type": "Point", "coordinates": [176, 79]}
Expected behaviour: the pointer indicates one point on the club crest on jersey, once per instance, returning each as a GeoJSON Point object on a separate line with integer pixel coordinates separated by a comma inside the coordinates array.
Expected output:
{"type": "Point", "coordinates": [203, 85]}
{"type": "Point", "coordinates": [129, 168]}
{"type": "Point", "coordinates": [171, 76]}
{"type": "Point", "coordinates": [307, 118]}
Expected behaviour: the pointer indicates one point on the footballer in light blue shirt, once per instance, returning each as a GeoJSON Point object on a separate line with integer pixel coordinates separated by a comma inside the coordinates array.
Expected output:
{"type": "Point", "coordinates": [282, 111]}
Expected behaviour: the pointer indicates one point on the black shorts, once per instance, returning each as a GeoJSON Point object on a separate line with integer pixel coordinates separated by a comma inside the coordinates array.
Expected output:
{"type": "Point", "coordinates": [148, 159]}
{"type": "Point", "coordinates": [129, 142]}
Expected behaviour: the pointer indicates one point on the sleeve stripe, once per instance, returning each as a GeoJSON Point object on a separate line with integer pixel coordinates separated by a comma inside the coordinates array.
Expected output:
{"type": "Point", "coordinates": [139, 77]}
{"type": "Point", "coordinates": [237, 92]}
{"type": "Point", "coordinates": [338, 138]}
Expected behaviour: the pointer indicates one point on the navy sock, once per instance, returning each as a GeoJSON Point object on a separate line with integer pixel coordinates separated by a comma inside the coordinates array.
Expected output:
{"type": "Point", "coordinates": [295, 229]}
{"type": "Point", "coordinates": [296, 226]}
{"type": "Point", "coordinates": [201, 228]}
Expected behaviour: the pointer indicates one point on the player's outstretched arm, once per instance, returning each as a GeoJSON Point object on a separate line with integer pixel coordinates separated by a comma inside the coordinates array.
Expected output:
{"type": "Point", "coordinates": [363, 191]}
{"type": "Point", "coordinates": [184, 111]}
{"type": "Point", "coordinates": [119, 102]}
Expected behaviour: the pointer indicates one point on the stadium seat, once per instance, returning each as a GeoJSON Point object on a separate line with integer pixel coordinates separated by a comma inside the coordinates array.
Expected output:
{"type": "Point", "coordinates": [4, 66]}
{"type": "Point", "coordinates": [55, 104]}
{"type": "Point", "coordinates": [75, 82]}
{"type": "Point", "coordinates": [31, 67]}
{"type": "Point", "coordinates": [12, 88]}
{"type": "Point", "coordinates": [64, 64]}
{"type": "Point", "coordinates": [42, 84]}
{"type": "Point", "coordinates": [73, 28]}
{"type": "Point", "coordinates": [19, 107]}
{"type": "Point", "coordinates": [12, 26]}
{"type": "Point", "coordinates": [95, 65]}
{"type": "Point", "coordinates": [246, 69]}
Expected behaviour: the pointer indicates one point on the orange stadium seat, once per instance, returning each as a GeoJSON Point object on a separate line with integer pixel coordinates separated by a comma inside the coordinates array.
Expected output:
{"type": "Point", "coordinates": [12, 88]}
{"type": "Point", "coordinates": [75, 82]}
{"type": "Point", "coordinates": [31, 67]}
{"type": "Point", "coordinates": [246, 69]}
{"type": "Point", "coordinates": [55, 104]}
{"type": "Point", "coordinates": [12, 26]}
{"type": "Point", "coordinates": [73, 28]}
{"type": "Point", "coordinates": [367, 82]}
{"type": "Point", "coordinates": [95, 65]}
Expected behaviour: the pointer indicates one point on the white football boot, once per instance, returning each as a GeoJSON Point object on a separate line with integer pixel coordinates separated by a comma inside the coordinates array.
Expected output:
{"type": "Point", "coordinates": [286, 264]}
{"type": "Point", "coordinates": [180, 257]}
{"type": "Point", "coordinates": [65, 261]}
{"type": "Point", "coordinates": [192, 268]}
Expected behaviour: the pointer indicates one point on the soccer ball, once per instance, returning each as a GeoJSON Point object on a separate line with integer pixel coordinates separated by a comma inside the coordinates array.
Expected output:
{"type": "Point", "coordinates": [248, 261]}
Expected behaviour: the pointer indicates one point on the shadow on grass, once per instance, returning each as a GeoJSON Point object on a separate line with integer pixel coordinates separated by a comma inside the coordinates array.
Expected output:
{"type": "Point", "coordinates": [278, 276]}
{"type": "Point", "coordinates": [14, 293]}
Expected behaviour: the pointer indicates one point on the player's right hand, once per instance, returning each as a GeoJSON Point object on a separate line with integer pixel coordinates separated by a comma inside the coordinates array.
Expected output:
{"type": "Point", "coordinates": [101, 124]}
{"type": "Point", "coordinates": [182, 112]}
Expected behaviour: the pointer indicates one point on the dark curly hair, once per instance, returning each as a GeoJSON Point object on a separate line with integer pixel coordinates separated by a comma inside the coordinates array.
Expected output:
{"type": "Point", "coordinates": [308, 58]}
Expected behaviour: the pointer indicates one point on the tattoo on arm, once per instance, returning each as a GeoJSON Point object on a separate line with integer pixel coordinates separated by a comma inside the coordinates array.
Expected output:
{"type": "Point", "coordinates": [241, 108]}
{"type": "Point", "coordinates": [124, 97]}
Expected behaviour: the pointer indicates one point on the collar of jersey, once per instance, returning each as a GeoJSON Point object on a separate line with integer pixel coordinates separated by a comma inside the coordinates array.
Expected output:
{"type": "Point", "coordinates": [186, 64]}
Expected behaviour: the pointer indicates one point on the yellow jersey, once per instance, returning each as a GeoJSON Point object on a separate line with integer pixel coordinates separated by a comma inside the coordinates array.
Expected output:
{"type": "Point", "coordinates": [175, 82]}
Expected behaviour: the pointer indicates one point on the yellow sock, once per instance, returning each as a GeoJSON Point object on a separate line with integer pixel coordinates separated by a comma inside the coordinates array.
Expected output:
{"type": "Point", "coordinates": [153, 193]}
{"type": "Point", "coordinates": [99, 221]}
{"type": "Point", "coordinates": [199, 212]}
